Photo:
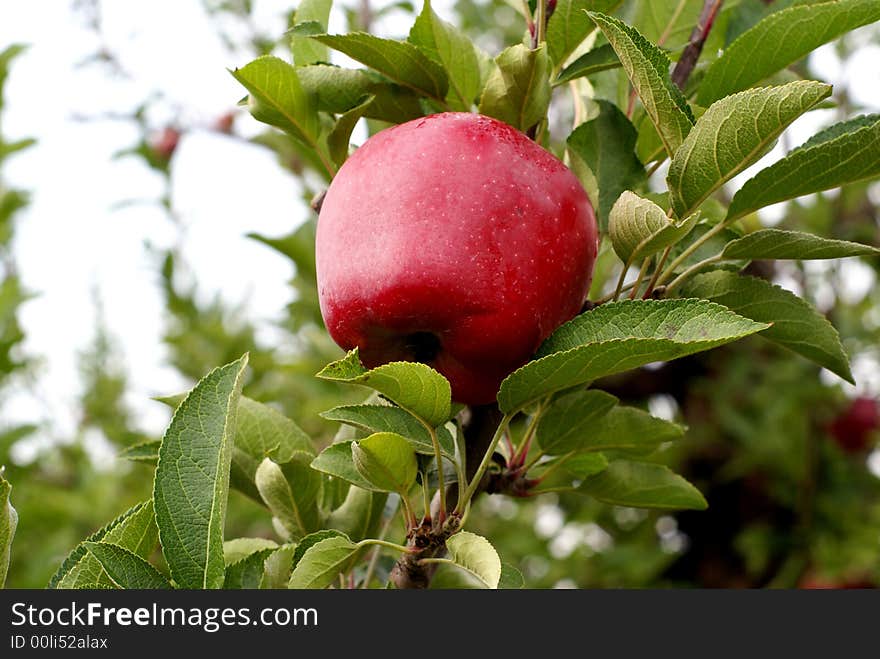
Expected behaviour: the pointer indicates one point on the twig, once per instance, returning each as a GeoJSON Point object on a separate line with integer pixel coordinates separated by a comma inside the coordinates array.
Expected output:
{"type": "Point", "coordinates": [663, 37]}
{"type": "Point", "coordinates": [692, 51]}
{"type": "Point", "coordinates": [365, 15]}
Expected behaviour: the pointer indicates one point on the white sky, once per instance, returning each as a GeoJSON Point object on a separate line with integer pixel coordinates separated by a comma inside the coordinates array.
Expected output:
{"type": "Point", "coordinates": [72, 240]}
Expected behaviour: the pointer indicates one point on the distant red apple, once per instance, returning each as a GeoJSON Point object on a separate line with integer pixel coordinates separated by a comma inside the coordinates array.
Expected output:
{"type": "Point", "coordinates": [456, 241]}
{"type": "Point", "coordinates": [815, 582]}
{"type": "Point", "coordinates": [224, 123]}
{"type": "Point", "coordinates": [853, 428]}
{"type": "Point", "coordinates": [165, 142]}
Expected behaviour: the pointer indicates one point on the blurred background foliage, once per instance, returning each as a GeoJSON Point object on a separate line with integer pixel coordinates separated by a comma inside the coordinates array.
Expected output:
{"type": "Point", "coordinates": [784, 454]}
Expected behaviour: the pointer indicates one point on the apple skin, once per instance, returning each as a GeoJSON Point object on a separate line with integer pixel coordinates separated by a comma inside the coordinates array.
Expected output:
{"type": "Point", "coordinates": [852, 428]}
{"type": "Point", "coordinates": [456, 241]}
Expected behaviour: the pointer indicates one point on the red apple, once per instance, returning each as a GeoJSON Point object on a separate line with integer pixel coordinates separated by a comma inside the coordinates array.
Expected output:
{"type": "Point", "coordinates": [165, 142]}
{"type": "Point", "coordinates": [456, 241]}
{"type": "Point", "coordinates": [224, 123]}
{"type": "Point", "coordinates": [852, 429]}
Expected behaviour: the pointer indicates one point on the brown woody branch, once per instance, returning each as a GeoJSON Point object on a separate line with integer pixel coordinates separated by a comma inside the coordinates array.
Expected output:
{"type": "Point", "coordinates": [692, 51]}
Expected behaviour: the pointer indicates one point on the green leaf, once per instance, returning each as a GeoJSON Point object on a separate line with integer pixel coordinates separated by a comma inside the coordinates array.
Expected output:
{"type": "Point", "coordinates": [384, 418]}
{"type": "Point", "coordinates": [620, 336]}
{"type": "Point", "coordinates": [778, 244]}
{"type": "Point", "coordinates": [642, 485]}
{"type": "Point", "coordinates": [339, 137]}
{"type": "Point", "coordinates": [476, 555]}
{"type": "Point", "coordinates": [648, 69]}
{"type": "Point", "coordinates": [582, 465]}
{"type": "Point", "coordinates": [711, 247]}
{"type": "Point", "coordinates": [147, 451]}
{"type": "Point", "coordinates": [277, 567]}
{"type": "Point", "coordinates": [449, 576]}
{"type": "Point", "coordinates": [126, 569]}
{"type": "Point", "coordinates": [334, 88]}
{"type": "Point", "coordinates": [8, 523]}
{"type": "Point", "coordinates": [598, 59]}
{"type": "Point", "coordinates": [603, 156]}
{"type": "Point", "coordinates": [639, 228]}
{"type": "Point", "coordinates": [673, 21]}
{"type": "Point", "coordinates": [262, 431]}
{"type": "Point", "coordinates": [511, 578]}
{"type": "Point", "coordinates": [308, 29]}
{"type": "Point", "coordinates": [581, 424]}
{"type": "Point", "coordinates": [400, 61]}
{"type": "Point", "coordinates": [337, 460]}
{"type": "Point", "coordinates": [518, 90]}
{"type": "Point", "coordinates": [238, 548]}
{"type": "Point", "coordinates": [448, 46]}
{"type": "Point", "coordinates": [417, 388]}
{"type": "Point", "coordinates": [338, 90]}
{"type": "Point", "coordinates": [192, 478]}
{"type": "Point", "coordinates": [308, 51]}
{"type": "Point", "coordinates": [278, 99]}
{"type": "Point", "coordinates": [360, 515]}
{"type": "Point", "coordinates": [8, 54]}
{"type": "Point", "coordinates": [846, 152]}
{"type": "Point", "coordinates": [134, 530]}
{"type": "Point", "coordinates": [569, 26]}
{"type": "Point", "coordinates": [322, 563]}
{"type": "Point", "coordinates": [732, 134]}
{"type": "Point", "coordinates": [626, 428]}
{"type": "Point", "coordinates": [291, 492]}
{"type": "Point", "coordinates": [247, 573]}
{"type": "Point", "coordinates": [96, 586]}
{"type": "Point", "coordinates": [796, 324]}
{"type": "Point", "coordinates": [387, 461]}
{"type": "Point", "coordinates": [313, 539]}
{"type": "Point", "coordinates": [565, 423]}
{"type": "Point", "coordinates": [780, 39]}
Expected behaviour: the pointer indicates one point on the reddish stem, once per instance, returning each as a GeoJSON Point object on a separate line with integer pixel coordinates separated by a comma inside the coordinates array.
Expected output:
{"type": "Point", "coordinates": [692, 51]}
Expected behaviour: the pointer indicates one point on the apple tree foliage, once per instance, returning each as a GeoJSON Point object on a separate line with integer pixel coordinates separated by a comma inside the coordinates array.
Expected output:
{"type": "Point", "coordinates": [647, 92]}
